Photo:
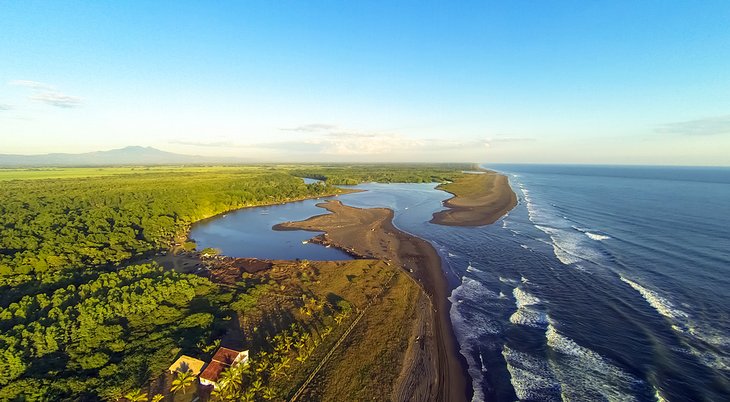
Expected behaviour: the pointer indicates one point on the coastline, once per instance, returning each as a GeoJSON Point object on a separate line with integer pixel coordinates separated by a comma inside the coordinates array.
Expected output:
{"type": "Point", "coordinates": [478, 199]}
{"type": "Point", "coordinates": [436, 370]}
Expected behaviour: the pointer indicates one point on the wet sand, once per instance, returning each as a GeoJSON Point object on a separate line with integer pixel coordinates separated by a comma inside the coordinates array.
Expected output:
{"type": "Point", "coordinates": [479, 199]}
{"type": "Point", "coordinates": [433, 369]}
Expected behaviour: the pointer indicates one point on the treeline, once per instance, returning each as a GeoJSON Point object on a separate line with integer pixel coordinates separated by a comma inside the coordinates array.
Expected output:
{"type": "Point", "coordinates": [381, 173]}
{"type": "Point", "coordinates": [50, 226]}
{"type": "Point", "coordinates": [106, 336]}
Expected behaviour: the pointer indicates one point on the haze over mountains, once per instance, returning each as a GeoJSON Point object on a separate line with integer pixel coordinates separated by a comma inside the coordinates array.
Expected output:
{"type": "Point", "coordinates": [132, 155]}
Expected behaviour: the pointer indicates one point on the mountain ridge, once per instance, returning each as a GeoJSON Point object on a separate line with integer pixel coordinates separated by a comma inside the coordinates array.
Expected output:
{"type": "Point", "coordinates": [130, 155]}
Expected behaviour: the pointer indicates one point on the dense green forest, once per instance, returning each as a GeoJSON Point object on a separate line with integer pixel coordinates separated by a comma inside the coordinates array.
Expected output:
{"type": "Point", "coordinates": [381, 173]}
{"type": "Point", "coordinates": [79, 318]}
{"type": "Point", "coordinates": [51, 226]}
{"type": "Point", "coordinates": [105, 336]}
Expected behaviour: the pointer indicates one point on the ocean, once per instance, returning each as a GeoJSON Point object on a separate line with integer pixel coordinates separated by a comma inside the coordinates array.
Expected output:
{"type": "Point", "coordinates": [603, 284]}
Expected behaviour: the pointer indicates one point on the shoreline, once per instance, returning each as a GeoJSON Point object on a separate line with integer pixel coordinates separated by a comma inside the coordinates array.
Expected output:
{"type": "Point", "coordinates": [436, 372]}
{"type": "Point", "coordinates": [478, 199]}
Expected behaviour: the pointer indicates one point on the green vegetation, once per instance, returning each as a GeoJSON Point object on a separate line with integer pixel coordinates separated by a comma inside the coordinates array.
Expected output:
{"type": "Point", "coordinates": [52, 226]}
{"type": "Point", "coordinates": [81, 317]}
{"type": "Point", "coordinates": [396, 173]}
{"type": "Point", "coordinates": [292, 316]}
{"type": "Point", "coordinates": [104, 337]}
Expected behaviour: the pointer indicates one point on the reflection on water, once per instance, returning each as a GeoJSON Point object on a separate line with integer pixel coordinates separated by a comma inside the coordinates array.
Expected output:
{"type": "Point", "coordinates": [247, 233]}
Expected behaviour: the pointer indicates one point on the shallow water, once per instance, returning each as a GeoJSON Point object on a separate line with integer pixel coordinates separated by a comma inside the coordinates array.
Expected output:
{"type": "Point", "coordinates": [248, 233]}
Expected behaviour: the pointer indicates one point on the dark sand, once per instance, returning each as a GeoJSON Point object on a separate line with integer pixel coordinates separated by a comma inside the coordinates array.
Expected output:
{"type": "Point", "coordinates": [479, 199]}
{"type": "Point", "coordinates": [433, 369]}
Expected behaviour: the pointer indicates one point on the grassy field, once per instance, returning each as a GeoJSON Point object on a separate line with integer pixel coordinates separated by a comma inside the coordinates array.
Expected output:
{"type": "Point", "coordinates": [377, 344]}
{"type": "Point", "coordinates": [470, 185]}
{"type": "Point", "coordinates": [320, 300]}
{"type": "Point", "coordinates": [69, 173]}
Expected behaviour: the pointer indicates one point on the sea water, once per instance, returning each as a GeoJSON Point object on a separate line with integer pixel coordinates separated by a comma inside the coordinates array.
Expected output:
{"type": "Point", "coordinates": [604, 283]}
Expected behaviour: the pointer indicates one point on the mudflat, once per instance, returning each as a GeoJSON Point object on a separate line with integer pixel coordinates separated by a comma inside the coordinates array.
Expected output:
{"type": "Point", "coordinates": [433, 368]}
{"type": "Point", "coordinates": [479, 199]}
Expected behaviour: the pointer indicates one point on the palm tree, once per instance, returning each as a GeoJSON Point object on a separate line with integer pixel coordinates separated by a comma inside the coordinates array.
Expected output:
{"type": "Point", "coordinates": [136, 396]}
{"type": "Point", "coordinates": [269, 393]}
{"type": "Point", "coordinates": [256, 386]}
{"type": "Point", "coordinates": [157, 398]}
{"type": "Point", "coordinates": [182, 381]}
{"type": "Point", "coordinates": [230, 380]}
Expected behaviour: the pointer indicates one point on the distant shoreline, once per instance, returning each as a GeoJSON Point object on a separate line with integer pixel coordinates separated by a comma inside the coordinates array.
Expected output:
{"type": "Point", "coordinates": [478, 199]}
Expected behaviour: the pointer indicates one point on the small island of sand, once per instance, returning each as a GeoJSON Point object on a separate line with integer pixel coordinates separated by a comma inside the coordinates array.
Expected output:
{"type": "Point", "coordinates": [479, 199]}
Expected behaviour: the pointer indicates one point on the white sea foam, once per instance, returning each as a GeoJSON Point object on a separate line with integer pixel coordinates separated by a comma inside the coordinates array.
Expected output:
{"type": "Point", "coordinates": [525, 315]}
{"type": "Point", "coordinates": [585, 374]}
{"type": "Point", "coordinates": [530, 318]}
{"type": "Point", "coordinates": [525, 246]}
{"type": "Point", "coordinates": [597, 237]}
{"type": "Point", "coordinates": [524, 280]}
{"type": "Point", "coordinates": [523, 298]}
{"type": "Point", "coordinates": [473, 290]}
{"type": "Point", "coordinates": [506, 280]}
{"type": "Point", "coordinates": [683, 323]}
{"type": "Point", "coordinates": [660, 304]}
{"type": "Point", "coordinates": [451, 255]}
{"type": "Point", "coordinates": [470, 325]}
{"type": "Point", "coordinates": [531, 378]}
{"type": "Point", "coordinates": [471, 268]}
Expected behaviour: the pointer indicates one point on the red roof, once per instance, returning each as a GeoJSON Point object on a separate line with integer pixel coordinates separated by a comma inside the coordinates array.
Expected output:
{"type": "Point", "coordinates": [213, 371]}
{"type": "Point", "coordinates": [222, 359]}
{"type": "Point", "coordinates": [225, 356]}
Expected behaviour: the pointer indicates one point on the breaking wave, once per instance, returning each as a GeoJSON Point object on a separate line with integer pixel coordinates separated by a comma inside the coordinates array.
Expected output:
{"type": "Point", "coordinates": [586, 375]}
{"type": "Point", "coordinates": [660, 304]}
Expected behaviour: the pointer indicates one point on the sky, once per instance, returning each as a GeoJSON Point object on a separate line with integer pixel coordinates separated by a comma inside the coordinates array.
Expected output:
{"type": "Point", "coordinates": [598, 82]}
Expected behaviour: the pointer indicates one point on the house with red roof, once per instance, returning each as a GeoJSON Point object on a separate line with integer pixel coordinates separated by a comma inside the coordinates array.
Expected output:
{"type": "Point", "coordinates": [223, 359]}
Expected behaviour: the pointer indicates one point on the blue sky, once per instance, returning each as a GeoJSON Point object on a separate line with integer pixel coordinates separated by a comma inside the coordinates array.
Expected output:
{"type": "Point", "coordinates": [515, 81]}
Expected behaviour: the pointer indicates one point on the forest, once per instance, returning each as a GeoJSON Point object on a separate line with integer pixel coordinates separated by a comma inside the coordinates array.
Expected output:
{"type": "Point", "coordinates": [382, 173]}
{"type": "Point", "coordinates": [80, 315]}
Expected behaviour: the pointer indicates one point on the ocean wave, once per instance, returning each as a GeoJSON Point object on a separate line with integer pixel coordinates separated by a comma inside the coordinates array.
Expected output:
{"type": "Point", "coordinates": [660, 304]}
{"type": "Point", "coordinates": [471, 268]}
{"type": "Point", "coordinates": [586, 375]}
{"type": "Point", "coordinates": [530, 318]}
{"type": "Point", "coordinates": [472, 290]}
{"type": "Point", "coordinates": [470, 325]}
{"type": "Point", "coordinates": [592, 235]}
{"type": "Point", "coordinates": [523, 298]}
{"type": "Point", "coordinates": [683, 323]}
{"type": "Point", "coordinates": [531, 377]}
{"type": "Point", "coordinates": [597, 237]}
{"type": "Point", "coordinates": [507, 280]}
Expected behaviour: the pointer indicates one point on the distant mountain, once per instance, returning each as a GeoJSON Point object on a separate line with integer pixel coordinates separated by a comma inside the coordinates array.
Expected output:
{"type": "Point", "coordinates": [133, 155]}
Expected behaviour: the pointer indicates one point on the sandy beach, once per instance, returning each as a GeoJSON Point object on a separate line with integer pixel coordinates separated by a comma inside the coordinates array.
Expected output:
{"type": "Point", "coordinates": [433, 368]}
{"type": "Point", "coordinates": [479, 199]}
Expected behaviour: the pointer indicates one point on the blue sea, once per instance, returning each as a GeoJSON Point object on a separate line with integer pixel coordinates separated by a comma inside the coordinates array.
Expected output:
{"type": "Point", "coordinates": [603, 284]}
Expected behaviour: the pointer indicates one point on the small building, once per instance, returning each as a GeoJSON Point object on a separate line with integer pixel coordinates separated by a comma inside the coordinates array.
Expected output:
{"type": "Point", "coordinates": [223, 359]}
{"type": "Point", "coordinates": [186, 363]}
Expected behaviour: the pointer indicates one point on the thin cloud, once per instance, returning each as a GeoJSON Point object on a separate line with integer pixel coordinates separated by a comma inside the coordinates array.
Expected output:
{"type": "Point", "coordinates": [513, 139]}
{"type": "Point", "coordinates": [56, 99]}
{"type": "Point", "coordinates": [312, 128]}
{"type": "Point", "coordinates": [31, 84]}
{"type": "Point", "coordinates": [47, 94]}
{"type": "Point", "coordinates": [701, 127]}
{"type": "Point", "coordinates": [5, 107]}
{"type": "Point", "coordinates": [212, 144]}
